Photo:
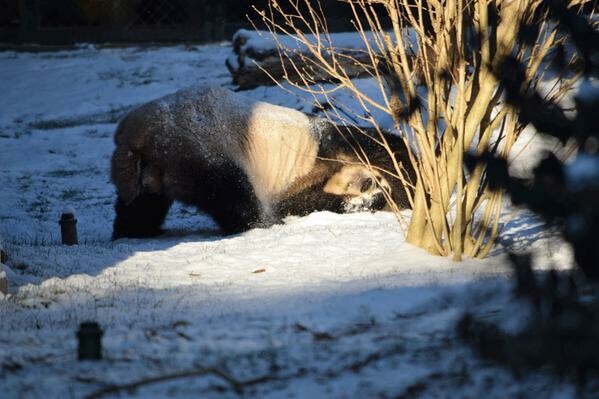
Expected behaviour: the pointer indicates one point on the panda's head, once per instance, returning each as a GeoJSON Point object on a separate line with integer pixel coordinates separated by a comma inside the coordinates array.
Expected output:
{"type": "Point", "coordinates": [363, 188]}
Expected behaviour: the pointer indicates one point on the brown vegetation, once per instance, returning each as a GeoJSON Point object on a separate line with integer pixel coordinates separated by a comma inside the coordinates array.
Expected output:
{"type": "Point", "coordinates": [436, 65]}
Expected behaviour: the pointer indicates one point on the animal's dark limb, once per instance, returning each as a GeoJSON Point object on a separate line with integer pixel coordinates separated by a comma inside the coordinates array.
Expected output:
{"type": "Point", "coordinates": [143, 217]}
{"type": "Point", "coordinates": [306, 194]}
{"type": "Point", "coordinates": [228, 196]}
{"type": "Point", "coordinates": [310, 200]}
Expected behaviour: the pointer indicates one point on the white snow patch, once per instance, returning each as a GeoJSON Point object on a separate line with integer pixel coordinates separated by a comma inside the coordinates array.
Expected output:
{"type": "Point", "coordinates": [69, 210]}
{"type": "Point", "coordinates": [334, 305]}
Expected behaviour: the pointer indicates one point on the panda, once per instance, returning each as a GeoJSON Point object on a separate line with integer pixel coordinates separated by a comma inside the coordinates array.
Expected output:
{"type": "Point", "coordinates": [246, 163]}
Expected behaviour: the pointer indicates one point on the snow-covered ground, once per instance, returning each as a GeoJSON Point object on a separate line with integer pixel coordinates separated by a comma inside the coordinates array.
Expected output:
{"type": "Point", "coordinates": [323, 306]}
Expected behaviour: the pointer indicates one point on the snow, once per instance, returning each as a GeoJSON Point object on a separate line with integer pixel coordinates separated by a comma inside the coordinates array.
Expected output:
{"type": "Point", "coordinates": [331, 305]}
{"type": "Point", "coordinates": [582, 172]}
{"type": "Point", "coordinates": [588, 90]}
{"type": "Point", "coordinates": [69, 210]}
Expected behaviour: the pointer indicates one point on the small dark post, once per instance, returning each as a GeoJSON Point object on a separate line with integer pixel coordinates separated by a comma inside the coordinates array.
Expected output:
{"type": "Point", "coordinates": [3, 256]}
{"type": "Point", "coordinates": [68, 228]}
{"type": "Point", "coordinates": [90, 341]}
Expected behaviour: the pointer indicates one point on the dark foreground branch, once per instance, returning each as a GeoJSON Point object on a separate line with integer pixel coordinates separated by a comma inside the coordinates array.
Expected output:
{"type": "Point", "coordinates": [240, 385]}
{"type": "Point", "coordinates": [132, 386]}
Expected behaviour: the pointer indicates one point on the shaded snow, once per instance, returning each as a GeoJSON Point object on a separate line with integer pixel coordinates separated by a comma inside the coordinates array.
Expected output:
{"type": "Point", "coordinates": [588, 90]}
{"type": "Point", "coordinates": [583, 171]}
{"type": "Point", "coordinates": [332, 305]}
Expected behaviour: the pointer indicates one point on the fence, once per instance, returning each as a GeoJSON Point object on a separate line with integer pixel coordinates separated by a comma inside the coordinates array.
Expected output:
{"type": "Point", "coordinates": [71, 21]}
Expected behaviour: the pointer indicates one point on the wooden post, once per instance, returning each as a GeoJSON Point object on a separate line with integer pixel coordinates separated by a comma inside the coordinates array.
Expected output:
{"type": "Point", "coordinates": [3, 280]}
{"type": "Point", "coordinates": [68, 228]}
{"type": "Point", "coordinates": [3, 274]}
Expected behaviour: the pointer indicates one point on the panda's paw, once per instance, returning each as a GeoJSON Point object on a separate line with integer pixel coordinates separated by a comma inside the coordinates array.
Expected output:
{"type": "Point", "coordinates": [370, 201]}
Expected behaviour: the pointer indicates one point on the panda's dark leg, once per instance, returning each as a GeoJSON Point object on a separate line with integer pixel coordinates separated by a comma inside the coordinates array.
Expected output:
{"type": "Point", "coordinates": [228, 196]}
{"type": "Point", "coordinates": [143, 217]}
{"type": "Point", "coordinates": [310, 200]}
{"type": "Point", "coordinates": [239, 213]}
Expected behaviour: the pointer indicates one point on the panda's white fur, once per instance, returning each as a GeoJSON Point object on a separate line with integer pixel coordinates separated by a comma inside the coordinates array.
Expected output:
{"type": "Point", "coordinates": [167, 148]}
{"type": "Point", "coordinates": [272, 144]}
{"type": "Point", "coordinates": [279, 148]}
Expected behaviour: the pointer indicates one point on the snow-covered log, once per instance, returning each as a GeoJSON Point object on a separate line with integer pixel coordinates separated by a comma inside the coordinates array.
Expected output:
{"type": "Point", "coordinates": [256, 60]}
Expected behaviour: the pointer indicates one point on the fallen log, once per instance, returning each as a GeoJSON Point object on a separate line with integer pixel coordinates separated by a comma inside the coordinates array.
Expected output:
{"type": "Point", "coordinates": [256, 60]}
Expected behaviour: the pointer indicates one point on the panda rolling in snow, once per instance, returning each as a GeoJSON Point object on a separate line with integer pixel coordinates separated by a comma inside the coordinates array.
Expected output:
{"type": "Point", "coordinates": [246, 163]}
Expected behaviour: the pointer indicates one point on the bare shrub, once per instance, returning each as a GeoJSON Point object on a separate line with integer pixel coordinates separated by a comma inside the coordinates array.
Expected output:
{"type": "Point", "coordinates": [435, 64]}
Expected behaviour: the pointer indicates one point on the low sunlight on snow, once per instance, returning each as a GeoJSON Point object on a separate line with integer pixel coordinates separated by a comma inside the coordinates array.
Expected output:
{"type": "Point", "coordinates": [333, 305]}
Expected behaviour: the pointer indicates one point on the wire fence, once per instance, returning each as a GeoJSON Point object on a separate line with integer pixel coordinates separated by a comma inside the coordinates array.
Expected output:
{"type": "Point", "coordinates": [68, 21]}
{"type": "Point", "coordinates": [65, 22]}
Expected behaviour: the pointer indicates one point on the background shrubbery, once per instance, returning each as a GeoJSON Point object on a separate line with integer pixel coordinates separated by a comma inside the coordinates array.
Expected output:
{"type": "Point", "coordinates": [563, 330]}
